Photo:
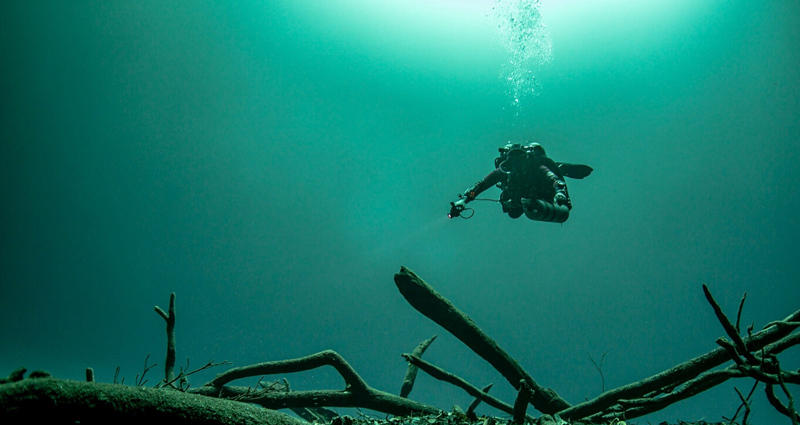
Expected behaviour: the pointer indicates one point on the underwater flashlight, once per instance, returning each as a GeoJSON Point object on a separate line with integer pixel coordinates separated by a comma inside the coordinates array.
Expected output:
{"type": "Point", "coordinates": [455, 209]}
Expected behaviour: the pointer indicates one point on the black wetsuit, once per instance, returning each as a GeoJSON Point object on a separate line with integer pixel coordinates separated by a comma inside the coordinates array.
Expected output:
{"type": "Point", "coordinates": [528, 176]}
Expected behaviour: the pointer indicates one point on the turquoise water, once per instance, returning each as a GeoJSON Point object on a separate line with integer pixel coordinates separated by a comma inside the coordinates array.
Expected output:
{"type": "Point", "coordinates": [275, 163]}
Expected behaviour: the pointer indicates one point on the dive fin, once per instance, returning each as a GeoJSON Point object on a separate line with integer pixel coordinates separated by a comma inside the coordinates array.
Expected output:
{"type": "Point", "coordinates": [574, 171]}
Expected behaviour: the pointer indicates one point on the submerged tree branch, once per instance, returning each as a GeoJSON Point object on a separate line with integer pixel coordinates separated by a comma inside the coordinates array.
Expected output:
{"type": "Point", "coordinates": [356, 394]}
{"type": "Point", "coordinates": [474, 405]}
{"type": "Point", "coordinates": [439, 309]}
{"type": "Point", "coordinates": [448, 377]}
{"type": "Point", "coordinates": [682, 372]}
{"type": "Point", "coordinates": [411, 371]}
{"type": "Point", "coordinates": [169, 364]}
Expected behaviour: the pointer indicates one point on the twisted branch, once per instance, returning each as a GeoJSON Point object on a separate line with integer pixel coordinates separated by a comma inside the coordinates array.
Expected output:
{"type": "Point", "coordinates": [356, 393]}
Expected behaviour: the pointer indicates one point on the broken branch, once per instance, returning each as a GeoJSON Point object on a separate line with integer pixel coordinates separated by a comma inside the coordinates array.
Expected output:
{"type": "Point", "coordinates": [439, 309]}
{"type": "Point", "coordinates": [169, 364]}
{"type": "Point", "coordinates": [411, 372]}
{"type": "Point", "coordinates": [448, 377]}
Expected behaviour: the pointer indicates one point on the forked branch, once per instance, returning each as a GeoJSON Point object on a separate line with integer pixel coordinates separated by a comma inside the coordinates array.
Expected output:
{"type": "Point", "coordinates": [169, 364]}
{"type": "Point", "coordinates": [439, 309]}
{"type": "Point", "coordinates": [356, 393]}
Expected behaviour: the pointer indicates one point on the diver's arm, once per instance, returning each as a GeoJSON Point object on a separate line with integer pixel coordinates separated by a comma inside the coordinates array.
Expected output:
{"type": "Point", "coordinates": [490, 180]}
{"type": "Point", "coordinates": [549, 168]}
{"type": "Point", "coordinates": [553, 175]}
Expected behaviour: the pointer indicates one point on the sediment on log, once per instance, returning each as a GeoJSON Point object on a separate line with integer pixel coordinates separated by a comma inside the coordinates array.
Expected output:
{"type": "Point", "coordinates": [59, 401]}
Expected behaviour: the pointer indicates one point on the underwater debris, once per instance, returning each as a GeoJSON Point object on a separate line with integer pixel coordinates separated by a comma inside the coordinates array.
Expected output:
{"type": "Point", "coordinates": [31, 400]}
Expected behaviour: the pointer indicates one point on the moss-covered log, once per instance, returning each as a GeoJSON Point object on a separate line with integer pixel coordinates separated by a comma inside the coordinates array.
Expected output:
{"type": "Point", "coordinates": [58, 401]}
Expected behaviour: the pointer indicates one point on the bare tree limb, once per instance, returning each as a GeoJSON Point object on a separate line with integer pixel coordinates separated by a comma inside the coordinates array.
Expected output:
{"type": "Point", "coordinates": [599, 368]}
{"type": "Point", "coordinates": [682, 372]}
{"type": "Point", "coordinates": [784, 322]}
{"type": "Point", "coordinates": [633, 408]}
{"type": "Point", "coordinates": [169, 364]}
{"type": "Point", "coordinates": [746, 405]}
{"type": "Point", "coordinates": [437, 308]}
{"type": "Point", "coordinates": [411, 372]}
{"type": "Point", "coordinates": [474, 405]}
{"type": "Point", "coordinates": [793, 413]}
{"type": "Point", "coordinates": [521, 402]}
{"type": "Point", "coordinates": [779, 406]}
{"type": "Point", "coordinates": [783, 343]}
{"type": "Point", "coordinates": [184, 374]}
{"type": "Point", "coordinates": [746, 365]}
{"type": "Point", "coordinates": [352, 379]}
{"type": "Point", "coordinates": [140, 379]}
{"type": "Point", "coordinates": [739, 313]}
{"type": "Point", "coordinates": [356, 393]}
{"type": "Point", "coordinates": [448, 377]}
{"type": "Point", "coordinates": [729, 328]}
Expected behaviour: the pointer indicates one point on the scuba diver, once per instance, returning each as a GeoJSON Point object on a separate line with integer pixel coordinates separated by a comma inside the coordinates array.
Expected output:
{"type": "Point", "coordinates": [531, 183]}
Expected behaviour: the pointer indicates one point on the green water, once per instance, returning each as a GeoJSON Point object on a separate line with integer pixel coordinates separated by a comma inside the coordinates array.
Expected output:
{"type": "Point", "coordinates": [274, 163]}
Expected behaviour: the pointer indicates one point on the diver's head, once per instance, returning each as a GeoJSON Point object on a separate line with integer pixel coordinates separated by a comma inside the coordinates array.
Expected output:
{"type": "Point", "coordinates": [536, 148]}
{"type": "Point", "coordinates": [511, 148]}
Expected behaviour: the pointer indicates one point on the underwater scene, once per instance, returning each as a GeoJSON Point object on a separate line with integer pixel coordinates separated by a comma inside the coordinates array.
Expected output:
{"type": "Point", "coordinates": [591, 205]}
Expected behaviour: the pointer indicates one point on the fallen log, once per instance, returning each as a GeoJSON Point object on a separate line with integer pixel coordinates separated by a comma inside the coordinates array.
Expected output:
{"type": "Point", "coordinates": [59, 401]}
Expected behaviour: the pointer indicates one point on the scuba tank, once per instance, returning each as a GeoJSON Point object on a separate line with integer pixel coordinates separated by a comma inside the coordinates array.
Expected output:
{"type": "Point", "coordinates": [536, 209]}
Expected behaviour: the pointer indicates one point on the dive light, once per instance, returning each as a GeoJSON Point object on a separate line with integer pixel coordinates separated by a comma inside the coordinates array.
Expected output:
{"type": "Point", "coordinates": [456, 209]}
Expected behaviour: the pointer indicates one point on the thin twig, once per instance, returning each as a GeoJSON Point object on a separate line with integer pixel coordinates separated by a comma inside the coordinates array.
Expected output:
{"type": "Point", "coordinates": [599, 368]}
{"type": "Point", "coordinates": [750, 394]}
{"type": "Point", "coordinates": [729, 328]}
{"type": "Point", "coordinates": [140, 379]}
{"type": "Point", "coordinates": [739, 313]}
{"type": "Point", "coordinates": [792, 413]}
{"type": "Point", "coordinates": [746, 405]}
{"type": "Point", "coordinates": [183, 375]}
